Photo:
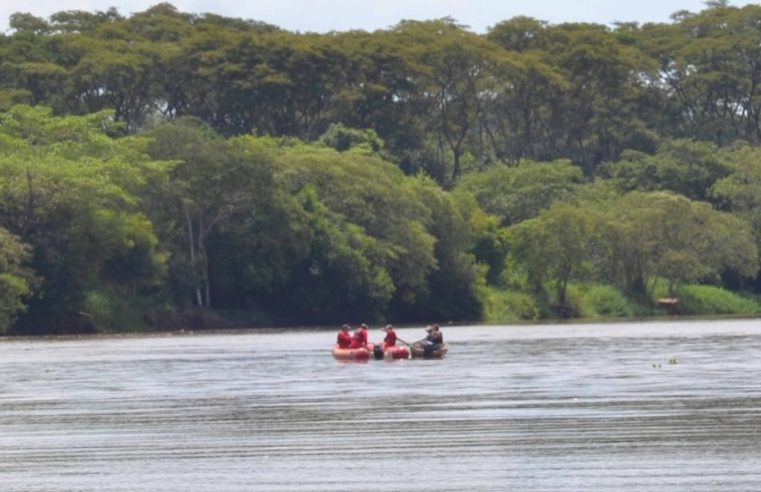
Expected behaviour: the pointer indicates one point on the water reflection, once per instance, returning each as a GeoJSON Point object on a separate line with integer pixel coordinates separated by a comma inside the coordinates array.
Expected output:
{"type": "Point", "coordinates": [630, 406]}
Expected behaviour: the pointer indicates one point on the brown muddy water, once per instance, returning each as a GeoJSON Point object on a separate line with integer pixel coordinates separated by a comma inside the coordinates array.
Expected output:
{"type": "Point", "coordinates": [622, 407]}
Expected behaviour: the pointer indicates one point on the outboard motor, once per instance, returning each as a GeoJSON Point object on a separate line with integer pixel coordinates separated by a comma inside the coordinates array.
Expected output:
{"type": "Point", "coordinates": [378, 352]}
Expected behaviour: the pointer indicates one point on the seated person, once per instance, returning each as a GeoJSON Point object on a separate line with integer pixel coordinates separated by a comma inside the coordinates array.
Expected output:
{"type": "Point", "coordinates": [343, 340]}
{"type": "Point", "coordinates": [437, 336]}
{"type": "Point", "coordinates": [359, 339]}
{"type": "Point", "coordinates": [428, 340]}
{"type": "Point", "coordinates": [390, 339]}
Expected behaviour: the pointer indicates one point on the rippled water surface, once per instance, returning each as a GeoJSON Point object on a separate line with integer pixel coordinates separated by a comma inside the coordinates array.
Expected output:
{"type": "Point", "coordinates": [630, 406]}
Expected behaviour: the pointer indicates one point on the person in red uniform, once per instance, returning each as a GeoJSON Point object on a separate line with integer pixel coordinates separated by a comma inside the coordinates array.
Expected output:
{"type": "Point", "coordinates": [344, 337]}
{"type": "Point", "coordinates": [359, 339]}
{"type": "Point", "coordinates": [390, 339]}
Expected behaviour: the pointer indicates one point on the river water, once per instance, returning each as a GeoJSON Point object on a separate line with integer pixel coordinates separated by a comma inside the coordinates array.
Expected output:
{"type": "Point", "coordinates": [627, 406]}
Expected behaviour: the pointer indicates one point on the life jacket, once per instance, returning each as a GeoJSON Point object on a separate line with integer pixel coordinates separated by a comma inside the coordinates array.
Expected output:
{"type": "Point", "coordinates": [359, 339]}
{"type": "Point", "coordinates": [390, 339]}
{"type": "Point", "coordinates": [343, 339]}
{"type": "Point", "coordinates": [361, 336]}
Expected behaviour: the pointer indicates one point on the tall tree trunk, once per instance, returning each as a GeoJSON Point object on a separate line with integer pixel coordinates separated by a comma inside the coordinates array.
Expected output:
{"type": "Point", "coordinates": [203, 261]}
{"type": "Point", "coordinates": [191, 244]}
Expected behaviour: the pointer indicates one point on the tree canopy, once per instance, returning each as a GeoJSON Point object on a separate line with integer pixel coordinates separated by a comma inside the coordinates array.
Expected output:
{"type": "Point", "coordinates": [166, 163]}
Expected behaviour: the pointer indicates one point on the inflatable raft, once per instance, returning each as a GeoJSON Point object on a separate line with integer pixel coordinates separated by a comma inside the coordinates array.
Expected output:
{"type": "Point", "coordinates": [392, 353]}
{"type": "Point", "coordinates": [351, 353]}
{"type": "Point", "coordinates": [371, 352]}
{"type": "Point", "coordinates": [418, 351]}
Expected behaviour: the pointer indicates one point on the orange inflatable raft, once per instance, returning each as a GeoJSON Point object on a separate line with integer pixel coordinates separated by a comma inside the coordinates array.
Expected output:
{"type": "Point", "coordinates": [376, 351]}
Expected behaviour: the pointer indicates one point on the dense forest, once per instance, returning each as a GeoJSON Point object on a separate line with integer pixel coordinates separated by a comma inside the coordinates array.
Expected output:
{"type": "Point", "coordinates": [170, 170]}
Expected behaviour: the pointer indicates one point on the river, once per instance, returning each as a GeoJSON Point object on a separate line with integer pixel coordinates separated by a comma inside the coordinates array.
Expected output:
{"type": "Point", "coordinates": [664, 405]}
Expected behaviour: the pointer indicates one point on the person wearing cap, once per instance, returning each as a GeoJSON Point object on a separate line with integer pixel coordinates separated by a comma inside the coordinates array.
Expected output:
{"type": "Point", "coordinates": [427, 343]}
{"type": "Point", "coordinates": [344, 337]}
{"type": "Point", "coordinates": [359, 339]}
{"type": "Point", "coordinates": [428, 340]}
{"type": "Point", "coordinates": [390, 339]}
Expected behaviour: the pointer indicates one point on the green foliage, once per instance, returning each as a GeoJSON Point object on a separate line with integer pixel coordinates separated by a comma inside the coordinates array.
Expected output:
{"type": "Point", "coordinates": [114, 312]}
{"type": "Point", "coordinates": [604, 301]}
{"type": "Point", "coordinates": [740, 191]}
{"type": "Point", "coordinates": [558, 245]}
{"type": "Point", "coordinates": [489, 241]}
{"type": "Point", "coordinates": [628, 241]}
{"type": "Point", "coordinates": [668, 235]}
{"type": "Point", "coordinates": [369, 193]}
{"type": "Point", "coordinates": [343, 138]}
{"type": "Point", "coordinates": [181, 159]}
{"type": "Point", "coordinates": [16, 279]}
{"type": "Point", "coordinates": [452, 286]}
{"type": "Point", "coordinates": [684, 167]}
{"type": "Point", "coordinates": [708, 299]}
{"type": "Point", "coordinates": [216, 182]}
{"type": "Point", "coordinates": [443, 98]}
{"type": "Point", "coordinates": [337, 278]}
{"type": "Point", "coordinates": [518, 193]}
{"type": "Point", "coordinates": [504, 306]}
{"type": "Point", "coordinates": [71, 193]}
{"type": "Point", "coordinates": [706, 61]}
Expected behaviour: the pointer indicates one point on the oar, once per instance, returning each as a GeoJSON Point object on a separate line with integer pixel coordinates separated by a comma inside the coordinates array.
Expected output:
{"type": "Point", "coordinates": [404, 342]}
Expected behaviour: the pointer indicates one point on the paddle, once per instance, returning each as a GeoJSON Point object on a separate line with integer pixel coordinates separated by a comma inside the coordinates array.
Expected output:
{"type": "Point", "coordinates": [406, 343]}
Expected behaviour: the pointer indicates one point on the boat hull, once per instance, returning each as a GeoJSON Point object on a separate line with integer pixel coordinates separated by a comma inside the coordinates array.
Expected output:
{"type": "Point", "coordinates": [362, 354]}
{"type": "Point", "coordinates": [417, 351]}
{"type": "Point", "coordinates": [352, 353]}
{"type": "Point", "coordinates": [396, 352]}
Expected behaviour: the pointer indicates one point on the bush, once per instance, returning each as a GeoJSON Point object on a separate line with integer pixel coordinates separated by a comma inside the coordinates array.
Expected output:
{"type": "Point", "coordinates": [504, 306]}
{"type": "Point", "coordinates": [113, 311]}
{"type": "Point", "coordinates": [605, 301]}
{"type": "Point", "coordinates": [707, 299]}
{"type": "Point", "coordinates": [343, 138]}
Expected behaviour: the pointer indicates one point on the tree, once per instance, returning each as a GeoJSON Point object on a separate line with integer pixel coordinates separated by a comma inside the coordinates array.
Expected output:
{"type": "Point", "coordinates": [339, 277]}
{"type": "Point", "coordinates": [489, 240]}
{"type": "Point", "coordinates": [71, 193]}
{"type": "Point", "coordinates": [457, 83]}
{"type": "Point", "coordinates": [740, 191]}
{"type": "Point", "coordinates": [662, 235]}
{"type": "Point", "coordinates": [24, 23]}
{"type": "Point", "coordinates": [452, 288]}
{"type": "Point", "coordinates": [342, 138]}
{"type": "Point", "coordinates": [369, 193]}
{"type": "Point", "coordinates": [215, 181]}
{"type": "Point", "coordinates": [16, 279]}
{"type": "Point", "coordinates": [523, 124]}
{"type": "Point", "coordinates": [709, 72]}
{"type": "Point", "coordinates": [518, 193]}
{"type": "Point", "coordinates": [600, 113]}
{"type": "Point", "coordinates": [80, 21]}
{"type": "Point", "coordinates": [557, 246]}
{"type": "Point", "coordinates": [116, 70]}
{"type": "Point", "coordinates": [682, 166]}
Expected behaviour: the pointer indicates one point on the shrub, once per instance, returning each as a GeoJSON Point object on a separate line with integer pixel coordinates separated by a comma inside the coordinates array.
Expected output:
{"type": "Point", "coordinates": [112, 311]}
{"type": "Point", "coordinates": [503, 306]}
{"type": "Point", "coordinates": [708, 299]}
{"type": "Point", "coordinates": [606, 301]}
